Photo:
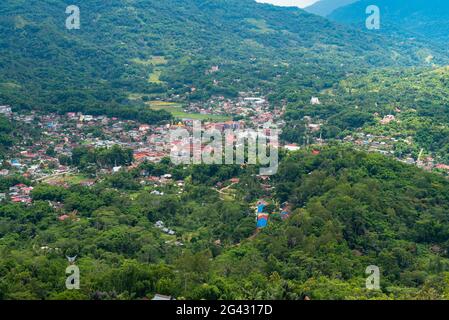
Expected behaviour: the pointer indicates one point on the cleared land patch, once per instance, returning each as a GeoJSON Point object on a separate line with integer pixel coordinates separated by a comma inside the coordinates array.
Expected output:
{"type": "Point", "coordinates": [178, 112]}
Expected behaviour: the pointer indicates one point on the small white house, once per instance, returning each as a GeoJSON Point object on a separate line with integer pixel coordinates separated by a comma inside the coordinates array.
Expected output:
{"type": "Point", "coordinates": [315, 101]}
{"type": "Point", "coordinates": [292, 147]}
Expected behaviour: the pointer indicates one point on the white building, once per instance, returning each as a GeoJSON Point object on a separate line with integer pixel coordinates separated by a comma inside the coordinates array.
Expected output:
{"type": "Point", "coordinates": [6, 110]}
{"type": "Point", "coordinates": [315, 101]}
{"type": "Point", "coordinates": [292, 147]}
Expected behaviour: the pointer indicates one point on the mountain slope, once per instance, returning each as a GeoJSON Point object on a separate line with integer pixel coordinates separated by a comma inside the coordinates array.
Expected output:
{"type": "Point", "coordinates": [349, 210]}
{"type": "Point", "coordinates": [326, 7]}
{"type": "Point", "coordinates": [416, 97]}
{"type": "Point", "coordinates": [426, 18]}
{"type": "Point", "coordinates": [164, 48]}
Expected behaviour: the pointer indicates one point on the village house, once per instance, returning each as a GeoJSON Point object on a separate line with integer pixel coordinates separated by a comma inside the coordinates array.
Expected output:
{"type": "Point", "coordinates": [315, 101]}
{"type": "Point", "coordinates": [292, 147]}
{"type": "Point", "coordinates": [442, 167]}
{"type": "Point", "coordinates": [387, 119]}
{"type": "Point", "coordinates": [6, 111]}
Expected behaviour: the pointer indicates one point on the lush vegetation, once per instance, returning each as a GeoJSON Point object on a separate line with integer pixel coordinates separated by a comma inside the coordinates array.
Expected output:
{"type": "Point", "coordinates": [11, 132]}
{"type": "Point", "coordinates": [115, 156]}
{"type": "Point", "coordinates": [144, 48]}
{"type": "Point", "coordinates": [418, 98]}
{"type": "Point", "coordinates": [350, 210]}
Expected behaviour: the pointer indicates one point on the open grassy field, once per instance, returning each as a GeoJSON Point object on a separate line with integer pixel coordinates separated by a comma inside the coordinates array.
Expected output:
{"type": "Point", "coordinates": [139, 96]}
{"type": "Point", "coordinates": [154, 61]}
{"type": "Point", "coordinates": [10, 85]}
{"type": "Point", "coordinates": [260, 26]}
{"type": "Point", "coordinates": [177, 111]}
{"type": "Point", "coordinates": [71, 179]}
{"type": "Point", "coordinates": [157, 62]}
{"type": "Point", "coordinates": [154, 76]}
{"type": "Point", "coordinates": [163, 105]}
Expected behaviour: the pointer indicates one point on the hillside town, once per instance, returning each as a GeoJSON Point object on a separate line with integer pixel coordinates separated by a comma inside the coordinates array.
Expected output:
{"type": "Point", "coordinates": [40, 160]}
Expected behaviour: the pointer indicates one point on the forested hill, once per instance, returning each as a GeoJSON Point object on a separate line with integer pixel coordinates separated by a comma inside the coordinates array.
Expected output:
{"type": "Point", "coordinates": [326, 7]}
{"type": "Point", "coordinates": [165, 47]}
{"type": "Point", "coordinates": [416, 97]}
{"type": "Point", "coordinates": [349, 210]}
{"type": "Point", "coordinates": [426, 18]}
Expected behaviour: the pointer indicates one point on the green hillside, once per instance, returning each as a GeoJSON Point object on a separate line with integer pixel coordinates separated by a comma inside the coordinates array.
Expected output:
{"type": "Point", "coordinates": [96, 190]}
{"type": "Point", "coordinates": [326, 7]}
{"type": "Point", "coordinates": [349, 210]}
{"type": "Point", "coordinates": [115, 53]}
{"type": "Point", "coordinates": [417, 98]}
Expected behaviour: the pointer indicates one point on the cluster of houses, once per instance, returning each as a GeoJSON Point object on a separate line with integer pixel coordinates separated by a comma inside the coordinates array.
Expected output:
{"type": "Point", "coordinates": [160, 181]}
{"type": "Point", "coordinates": [262, 217]}
{"type": "Point", "coordinates": [19, 193]}
{"type": "Point", "coordinates": [160, 225]}
{"type": "Point", "coordinates": [373, 143]}
{"type": "Point", "coordinates": [386, 146]}
{"type": "Point", "coordinates": [249, 105]}
{"type": "Point", "coordinates": [6, 111]}
{"type": "Point", "coordinates": [60, 134]}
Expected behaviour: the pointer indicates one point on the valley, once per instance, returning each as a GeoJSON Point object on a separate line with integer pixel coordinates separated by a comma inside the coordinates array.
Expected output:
{"type": "Point", "coordinates": [87, 170]}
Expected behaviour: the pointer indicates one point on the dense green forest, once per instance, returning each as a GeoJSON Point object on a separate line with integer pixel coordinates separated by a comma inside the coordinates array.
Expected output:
{"type": "Point", "coordinates": [417, 97]}
{"type": "Point", "coordinates": [350, 210]}
{"type": "Point", "coordinates": [189, 232]}
{"type": "Point", "coordinates": [11, 132]}
{"type": "Point", "coordinates": [143, 47]}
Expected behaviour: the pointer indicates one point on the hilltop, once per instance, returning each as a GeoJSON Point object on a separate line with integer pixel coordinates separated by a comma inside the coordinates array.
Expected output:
{"type": "Point", "coordinates": [326, 7]}
{"type": "Point", "coordinates": [414, 18]}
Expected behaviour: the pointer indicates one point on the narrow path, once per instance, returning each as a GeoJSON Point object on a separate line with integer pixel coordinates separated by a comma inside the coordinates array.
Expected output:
{"type": "Point", "coordinates": [54, 176]}
{"type": "Point", "coordinates": [221, 191]}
